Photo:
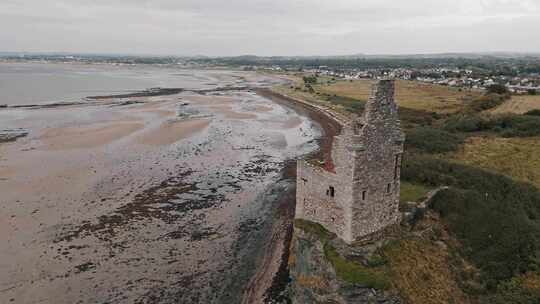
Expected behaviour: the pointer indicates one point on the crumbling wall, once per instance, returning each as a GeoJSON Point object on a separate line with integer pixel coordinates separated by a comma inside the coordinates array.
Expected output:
{"type": "Point", "coordinates": [376, 174]}
{"type": "Point", "coordinates": [366, 183]}
{"type": "Point", "coordinates": [321, 196]}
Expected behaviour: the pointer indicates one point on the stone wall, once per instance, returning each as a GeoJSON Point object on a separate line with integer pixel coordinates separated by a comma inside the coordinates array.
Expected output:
{"type": "Point", "coordinates": [376, 177]}
{"type": "Point", "coordinates": [317, 202]}
{"type": "Point", "coordinates": [362, 196]}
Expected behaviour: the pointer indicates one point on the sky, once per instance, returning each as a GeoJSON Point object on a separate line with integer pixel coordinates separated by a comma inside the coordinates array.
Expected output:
{"type": "Point", "coordinates": [269, 27]}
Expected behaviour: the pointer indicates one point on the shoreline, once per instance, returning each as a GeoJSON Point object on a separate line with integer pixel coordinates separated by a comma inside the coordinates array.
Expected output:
{"type": "Point", "coordinates": [98, 229]}
{"type": "Point", "coordinates": [272, 276]}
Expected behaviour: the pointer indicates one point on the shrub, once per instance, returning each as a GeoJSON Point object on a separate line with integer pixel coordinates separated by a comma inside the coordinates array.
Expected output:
{"type": "Point", "coordinates": [349, 104]}
{"type": "Point", "coordinates": [513, 125]}
{"type": "Point", "coordinates": [417, 117]}
{"type": "Point", "coordinates": [465, 123]}
{"type": "Point", "coordinates": [487, 102]}
{"type": "Point", "coordinates": [516, 291]}
{"type": "Point", "coordinates": [432, 140]}
{"type": "Point", "coordinates": [310, 79]}
{"type": "Point", "coordinates": [497, 89]}
{"type": "Point", "coordinates": [508, 125]}
{"type": "Point", "coordinates": [535, 112]}
{"type": "Point", "coordinates": [496, 218]}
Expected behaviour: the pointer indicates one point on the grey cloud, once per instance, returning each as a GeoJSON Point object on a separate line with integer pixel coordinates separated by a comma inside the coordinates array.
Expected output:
{"type": "Point", "coordinates": [278, 27]}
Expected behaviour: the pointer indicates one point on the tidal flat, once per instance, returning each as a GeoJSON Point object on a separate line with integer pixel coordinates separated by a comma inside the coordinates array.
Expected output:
{"type": "Point", "coordinates": [146, 199]}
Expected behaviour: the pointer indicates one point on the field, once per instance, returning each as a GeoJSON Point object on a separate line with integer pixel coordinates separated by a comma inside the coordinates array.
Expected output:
{"type": "Point", "coordinates": [421, 271]}
{"type": "Point", "coordinates": [518, 158]}
{"type": "Point", "coordinates": [409, 94]}
{"type": "Point", "coordinates": [519, 105]}
{"type": "Point", "coordinates": [412, 192]}
{"type": "Point", "coordinates": [477, 242]}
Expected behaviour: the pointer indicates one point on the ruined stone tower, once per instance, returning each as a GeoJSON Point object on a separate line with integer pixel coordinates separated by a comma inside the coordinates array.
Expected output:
{"type": "Point", "coordinates": [362, 196]}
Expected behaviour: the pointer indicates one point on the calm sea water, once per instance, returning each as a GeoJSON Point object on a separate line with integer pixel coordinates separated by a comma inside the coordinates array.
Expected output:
{"type": "Point", "coordinates": [35, 83]}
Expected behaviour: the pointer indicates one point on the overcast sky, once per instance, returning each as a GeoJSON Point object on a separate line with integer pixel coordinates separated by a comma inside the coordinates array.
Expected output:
{"type": "Point", "coordinates": [269, 27]}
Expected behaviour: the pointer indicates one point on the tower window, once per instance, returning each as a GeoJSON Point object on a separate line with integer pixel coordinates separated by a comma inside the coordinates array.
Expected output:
{"type": "Point", "coordinates": [364, 195]}
{"type": "Point", "coordinates": [331, 191]}
{"type": "Point", "coordinates": [396, 166]}
{"type": "Point", "coordinates": [388, 188]}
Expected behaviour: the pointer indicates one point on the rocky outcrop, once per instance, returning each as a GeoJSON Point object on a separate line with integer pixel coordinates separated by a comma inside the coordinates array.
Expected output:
{"type": "Point", "coordinates": [9, 135]}
{"type": "Point", "coordinates": [324, 269]}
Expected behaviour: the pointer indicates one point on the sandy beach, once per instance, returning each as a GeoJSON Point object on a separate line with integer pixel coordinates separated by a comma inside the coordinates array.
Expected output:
{"type": "Point", "coordinates": [153, 199]}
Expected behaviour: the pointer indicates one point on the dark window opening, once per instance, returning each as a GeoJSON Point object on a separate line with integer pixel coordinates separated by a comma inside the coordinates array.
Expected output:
{"type": "Point", "coordinates": [331, 191]}
{"type": "Point", "coordinates": [304, 180]}
{"type": "Point", "coordinates": [396, 166]}
{"type": "Point", "coordinates": [388, 188]}
{"type": "Point", "coordinates": [364, 194]}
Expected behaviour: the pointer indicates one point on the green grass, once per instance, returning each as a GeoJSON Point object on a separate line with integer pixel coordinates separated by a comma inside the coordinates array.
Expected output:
{"type": "Point", "coordinates": [523, 290]}
{"type": "Point", "coordinates": [410, 94]}
{"type": "Point", "coordinates": [412, 192]}
{"type": "Point", "coordinates": [506, 125]}
{"type": "Point", "coordinates": [421, 271]}
{"type": "Point", "coordinates": [518, 158]}
{"type": "Point", "coordinates": [314, 228]}
{"type": "Point", "coordinates": [355, 273]}
{"type": "Point", "coordinates": [491, 219]}
{"type": "Point", "coordinates": [496, 218]}
{"type": "Point", "coordinates": [346, 270]}
{"type": "Point", "coordinates": [348, 104]}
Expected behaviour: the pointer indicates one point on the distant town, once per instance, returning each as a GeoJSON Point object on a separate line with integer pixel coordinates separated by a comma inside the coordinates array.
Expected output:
{"type": "Point", "coordinates": [520, 73]}
{"type": "Point", "coordinates": [461, 78]}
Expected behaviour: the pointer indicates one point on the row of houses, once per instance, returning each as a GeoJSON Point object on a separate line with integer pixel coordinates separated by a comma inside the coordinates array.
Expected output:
{"type": "Point", "coordinates": [442, 76]}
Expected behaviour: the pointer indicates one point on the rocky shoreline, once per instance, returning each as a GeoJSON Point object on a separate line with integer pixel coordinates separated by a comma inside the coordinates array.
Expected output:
{"type": "Point", "coordinates": [270, 282]}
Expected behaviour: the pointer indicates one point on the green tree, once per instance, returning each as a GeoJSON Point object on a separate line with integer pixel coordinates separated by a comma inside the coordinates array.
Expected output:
{"type": "Point", "coordinates": [497, 89]}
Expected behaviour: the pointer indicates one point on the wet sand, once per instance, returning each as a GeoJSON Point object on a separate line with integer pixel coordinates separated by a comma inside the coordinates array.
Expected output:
{"type": "Point", "coordinates": [80, 137]}
{"type": "Point", "coordinates": [111, 202]}
{"type": "Point", "coordinates": [172, 131]}
{"type": "Point", "coordinates": [272, 276]}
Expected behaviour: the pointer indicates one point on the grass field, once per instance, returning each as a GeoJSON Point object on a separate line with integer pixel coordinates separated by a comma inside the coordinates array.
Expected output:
{"type": "Point", "coordinates": [519, 104]}
{"type": "Point", "coordinates": [518, 158]}
{"type": "Point", "coordinates": [412, 192]}
{"type": "Point", "coordinates": [409, 94]}
{"type": "Point", "coordinates": [467, 252]}
{"type": "Point", "coordinates": [421, 271]}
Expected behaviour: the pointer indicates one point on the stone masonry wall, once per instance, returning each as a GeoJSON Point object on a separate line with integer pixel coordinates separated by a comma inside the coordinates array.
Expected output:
{"type": "Point", "coordinates": [376, 180]}
{"type": "Point", "coordinates": [366, 182]}
{"type": "Point", "coordinates": [315, 201]}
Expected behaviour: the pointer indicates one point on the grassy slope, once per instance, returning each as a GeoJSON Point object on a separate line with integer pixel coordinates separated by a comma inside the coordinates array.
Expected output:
{"type": "Point", "coordinates": [412, 192]}
{"type": "Point", "coordinates": [519, 105]}
{"type": "Point", "coordinates": [423, 271]}
{"type": "Point", "coordinates": [413, 95]}
{"type": "Point", "coordinates": [347, 271]}
{"type": "Point", "coordinates": [420, 270]}
{"type": "Point", "coordinates": [516, 157]}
